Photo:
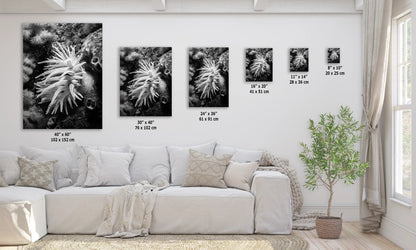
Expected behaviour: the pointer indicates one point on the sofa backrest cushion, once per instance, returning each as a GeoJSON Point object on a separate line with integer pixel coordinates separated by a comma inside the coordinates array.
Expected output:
{"type": "Point", "coordinates": [65, 157]}
{"type": "Point", "coordinates": [179, 159]}
{"type": "Point", "coordinates": [239, 154]}
{"type": "Point", "coordinates": [9, 168]}
{"type": "Point", "coordinates": [107, 168]}
{"type": "Point", "coordinates": [3, 183]}
{"type": "Point", "coordinates": [150, 163]}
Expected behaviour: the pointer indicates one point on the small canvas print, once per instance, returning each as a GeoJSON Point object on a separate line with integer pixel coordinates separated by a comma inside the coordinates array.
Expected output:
{"type": "Point", "coordinates": [259, 65]}
{"type": "Point", "coordinates": [334, 55]}
{"type": "Point", "coordinates": [208, 77]}
{"type": "Point", "coordinates": [299, 59]}
{"type": "Point", "coordinates": [145, 81]}
{"type": "Point", "coordinates": [62, 75]}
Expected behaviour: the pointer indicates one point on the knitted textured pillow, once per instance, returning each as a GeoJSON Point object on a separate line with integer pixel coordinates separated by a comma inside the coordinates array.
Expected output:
{"type": "Point", "coordinates": [36, 174]}
{"type": "Point", "coordinates": [206, 170]}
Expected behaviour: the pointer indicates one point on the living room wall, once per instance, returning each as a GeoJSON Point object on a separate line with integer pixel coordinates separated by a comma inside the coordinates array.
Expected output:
{"type": "Point", "coordinates": [274, 120]}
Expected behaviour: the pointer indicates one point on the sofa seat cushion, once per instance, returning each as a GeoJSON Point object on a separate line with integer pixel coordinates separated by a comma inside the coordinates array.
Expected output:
{"type": "Point", "coordinates": [178, 210]}
{"type": "Point", "coordinates": [17, 193]}
{"type": "Point", "coordinates": [23, 215]}
{"type": "Point", "coordinates": [203, 210]}
{"type": "Point", "coordinates": [76, 210]}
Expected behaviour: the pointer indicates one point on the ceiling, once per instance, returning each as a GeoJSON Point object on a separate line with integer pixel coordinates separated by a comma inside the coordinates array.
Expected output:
{"type": "Point", "coordinates": [180, 6]}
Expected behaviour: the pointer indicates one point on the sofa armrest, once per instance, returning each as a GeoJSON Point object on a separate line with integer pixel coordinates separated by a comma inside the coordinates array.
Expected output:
{"type": "Point", "coordinates": [273, 208]}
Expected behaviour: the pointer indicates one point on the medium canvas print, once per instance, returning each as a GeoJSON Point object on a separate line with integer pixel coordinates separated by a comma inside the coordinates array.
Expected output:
{"type": "Point", "coordinates": [62, 75]}
{"type": "Point", "coordinates": [334, 55]}
{"type": "Point", "coordinates": [146, 81]}
{"type": "Point", "coordinates": [259, 65]}
{"type": "Point", "coordinates": [299, 59]}
{"type": "Point", "coordinates": [208, 77]}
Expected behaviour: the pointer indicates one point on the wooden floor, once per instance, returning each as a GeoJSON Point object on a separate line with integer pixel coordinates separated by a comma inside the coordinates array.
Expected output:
{"type": "Point", "coordinates": [351, 238]}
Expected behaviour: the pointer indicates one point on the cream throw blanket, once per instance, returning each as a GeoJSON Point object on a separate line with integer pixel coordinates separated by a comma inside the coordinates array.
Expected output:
{"type": "Point", "coordinates": [301, 221]}
{"type": "Point", "coordinates": [128, 211]}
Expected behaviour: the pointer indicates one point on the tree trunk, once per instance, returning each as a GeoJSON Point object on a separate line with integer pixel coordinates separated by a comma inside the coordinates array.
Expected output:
{"type": "Point", "coordinates": [328, 212]}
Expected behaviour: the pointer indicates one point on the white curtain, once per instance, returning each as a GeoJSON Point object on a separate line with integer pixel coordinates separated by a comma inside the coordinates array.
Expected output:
{"type": "Point", "coordinates": [376, 28]}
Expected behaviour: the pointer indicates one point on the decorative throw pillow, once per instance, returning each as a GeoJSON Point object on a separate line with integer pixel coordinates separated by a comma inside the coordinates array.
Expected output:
{"type": "Point", "coordinates": [9, 168]}
{"type": "Point", "coordinates": [65, 157]}
{"type": "Point", "coordinates": [206, 170]}
{"type": "Point", "coordinates": [179, 159]}
{"type": "Point", "coordinates": [239, 154]}
{"type": "Point", "coordinates": [36, 173]}
{"type": "Point", "coordinates": [3, 183]}
{"type": "Point", "coordinates": [107, 168]}
{"type": "Point", "coordinates": [82, 160]}
{"type": "Point", "coordinates": [239, 175]}
{"type": "Point", "coordinates": [151, 164]}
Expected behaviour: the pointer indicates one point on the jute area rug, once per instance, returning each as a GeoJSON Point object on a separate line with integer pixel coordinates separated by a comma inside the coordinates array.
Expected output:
{"type": "Point", "coordinates": [240, 242]}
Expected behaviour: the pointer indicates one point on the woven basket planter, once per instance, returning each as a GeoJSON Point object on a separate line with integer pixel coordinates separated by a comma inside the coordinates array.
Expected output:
{"type": "Point", "coordinates": [328, 227]}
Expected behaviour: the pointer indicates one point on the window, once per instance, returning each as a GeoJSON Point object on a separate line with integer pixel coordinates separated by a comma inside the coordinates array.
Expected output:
{"type": "Point", "coordinates": [402, 82]}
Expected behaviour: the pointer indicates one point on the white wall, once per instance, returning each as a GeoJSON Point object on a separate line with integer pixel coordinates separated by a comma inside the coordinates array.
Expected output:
{"type": "Point", "coordinates": [399, 223]}
{"type": "Point", "coordinates": [277, 121]}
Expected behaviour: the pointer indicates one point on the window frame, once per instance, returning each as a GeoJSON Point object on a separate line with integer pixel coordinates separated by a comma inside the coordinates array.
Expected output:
{"type": "Point", "coordinates": [397, 62]}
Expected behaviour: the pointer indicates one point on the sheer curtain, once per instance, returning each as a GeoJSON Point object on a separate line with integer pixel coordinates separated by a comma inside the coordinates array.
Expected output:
{"type": "Point", "coordinates": [376, 28]}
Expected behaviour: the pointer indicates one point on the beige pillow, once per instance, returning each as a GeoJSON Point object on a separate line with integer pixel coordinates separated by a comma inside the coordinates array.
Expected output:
{"type": "Point", "coordinates": [2, 182]}
{"type": "Point", "coordinates": [239, 175]}
{"type": "Point", "coordinates": [36, 173]}
{"type": "Point", "coordinates": [206, 170]}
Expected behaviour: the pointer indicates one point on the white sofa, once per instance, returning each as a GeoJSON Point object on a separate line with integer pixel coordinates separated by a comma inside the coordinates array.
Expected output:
{"type": "Point", "coordinates": [27, 213]}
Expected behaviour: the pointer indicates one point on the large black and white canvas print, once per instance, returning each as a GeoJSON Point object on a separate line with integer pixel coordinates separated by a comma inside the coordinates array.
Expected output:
{"type": "Point", "coordinates": [259, 65]}
{"type": "Point", "coordinates": [334, 55]}
{"type": "Point", "coordinates": [145, 81]}
{"type": "Point", "coordinates": [299, 59]}
{"type": "Point", "coordinates": [208, 77]}
{"type": "Point", "coordinates": [62, 75]}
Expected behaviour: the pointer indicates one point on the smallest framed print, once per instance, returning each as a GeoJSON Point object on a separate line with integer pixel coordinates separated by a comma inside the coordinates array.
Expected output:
{"type": "Point", "coordinates": [334, 55]}
{"type": "Point", "coordinates": [299, 59]}
{"type": "Point", "coordinates": [259, 65]}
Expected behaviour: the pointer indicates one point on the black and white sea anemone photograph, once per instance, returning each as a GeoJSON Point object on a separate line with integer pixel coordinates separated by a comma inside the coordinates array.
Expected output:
{"type": "Point", "coordinates": [62, 75]}
{"type": "Point", "coordinates": [334, 55]}
{"type": "Point", "coordinates": [299, 59]}
{"type": "Point", "coordinates": [259, 65]}
{"type": "Point", "coordinates": [146, 81]}
{"type": "Point", "coordinates": [208, 77]}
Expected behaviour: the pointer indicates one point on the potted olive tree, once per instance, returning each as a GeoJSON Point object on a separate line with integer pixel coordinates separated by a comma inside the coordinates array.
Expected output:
{"type": "Point", "coordinates": [330, 158]}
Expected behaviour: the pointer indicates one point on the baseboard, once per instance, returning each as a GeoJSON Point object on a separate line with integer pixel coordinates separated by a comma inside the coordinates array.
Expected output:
{"type": "Point", "coordinates": [350, 212]}
{"type": "Point", "coordinates": [398, 233]}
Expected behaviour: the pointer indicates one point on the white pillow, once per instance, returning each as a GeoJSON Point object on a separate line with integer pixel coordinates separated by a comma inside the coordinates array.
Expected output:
{"type": "Point", "coordinates": [239, 175]}
{"type": "Point", "coordinates": [9, 168]}
{"type": "Point", "coordinates": [65, 157]}
{"type": "Point", "coordinates": [179, 159]}
{"type": "Point", "coordinates": [150, 164]}
{"type": "Point", "coordinates": [107, 168]}
{"type": "Point", "coordinates": [239, 155]}
{"type": "Point", "coordinates": [82, 163]}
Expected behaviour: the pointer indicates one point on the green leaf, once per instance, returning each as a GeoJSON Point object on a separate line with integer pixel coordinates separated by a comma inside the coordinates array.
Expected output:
{"type": "Point", "coordinates": [331, 156]}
